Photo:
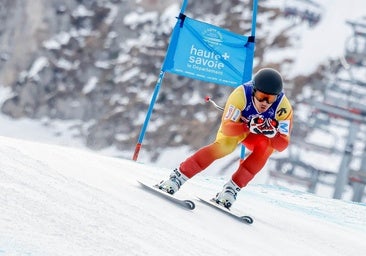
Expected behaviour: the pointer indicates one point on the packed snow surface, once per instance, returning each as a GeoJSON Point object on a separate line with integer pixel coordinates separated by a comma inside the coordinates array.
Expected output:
{"type": "Point", "coordinates": [57, 200]}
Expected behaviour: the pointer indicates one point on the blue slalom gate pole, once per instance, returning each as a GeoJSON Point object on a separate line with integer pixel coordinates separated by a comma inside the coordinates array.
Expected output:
{"type": "Point", "coordinates": [254, 16]}
{"type": "Point", "coordinates": [254, 22]}
{"type": "Point", "coordinates": [155, 94]}
{"type": "Point", "coordinates": [148, 115]}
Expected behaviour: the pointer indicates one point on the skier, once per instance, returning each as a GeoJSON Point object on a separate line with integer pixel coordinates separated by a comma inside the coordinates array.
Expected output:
{"type": "Point", "coordinates": [258, 115]}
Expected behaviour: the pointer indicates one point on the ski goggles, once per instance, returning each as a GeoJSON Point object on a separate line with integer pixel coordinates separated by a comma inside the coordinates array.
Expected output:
{"type": "Point", "coordinates": [261, 96]}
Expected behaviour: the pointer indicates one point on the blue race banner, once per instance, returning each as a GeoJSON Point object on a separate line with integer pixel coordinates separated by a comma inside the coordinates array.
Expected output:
{"type": "Point", "coordinates": [206, 52]}
{"type": "Point", "coordinates": [202, 51]}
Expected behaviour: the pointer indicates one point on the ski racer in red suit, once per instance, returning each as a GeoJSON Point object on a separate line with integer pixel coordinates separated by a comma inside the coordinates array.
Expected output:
{"type": "Point", "coordinates": [258, 115]}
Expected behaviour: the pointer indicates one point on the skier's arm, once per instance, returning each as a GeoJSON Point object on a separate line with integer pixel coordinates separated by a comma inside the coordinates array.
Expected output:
{"type": "Point", "coordinates": [232, 124]}
{"type": "Point", "coordinates": [284, 115]}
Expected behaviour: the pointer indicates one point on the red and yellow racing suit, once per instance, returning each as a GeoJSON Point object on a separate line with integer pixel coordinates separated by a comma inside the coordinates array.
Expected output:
{"type": "Point", "coordinates": [233, 130]}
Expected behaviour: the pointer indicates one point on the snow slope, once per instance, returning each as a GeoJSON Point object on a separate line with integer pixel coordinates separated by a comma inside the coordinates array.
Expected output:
{"type": "Point", "coordinates": [61, 201]}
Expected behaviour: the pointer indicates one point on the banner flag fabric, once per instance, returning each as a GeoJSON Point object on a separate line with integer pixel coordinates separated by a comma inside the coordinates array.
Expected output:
{"type": "Point", "coordinates": [206, 52]}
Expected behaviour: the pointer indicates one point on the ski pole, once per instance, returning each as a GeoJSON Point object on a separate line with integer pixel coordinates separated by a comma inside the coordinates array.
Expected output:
{"type": "Point", "coordinates": [208, 99]}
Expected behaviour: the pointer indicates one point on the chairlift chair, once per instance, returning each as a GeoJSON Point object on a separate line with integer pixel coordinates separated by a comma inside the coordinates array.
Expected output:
{"type": "Point", "coordinates": [355, 49]}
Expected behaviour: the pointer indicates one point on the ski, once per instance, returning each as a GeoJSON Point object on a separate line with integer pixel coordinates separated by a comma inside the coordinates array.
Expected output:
{"type": "Point", "coordinates": [238, 216]}
{"type": "Point", "coordinates": [188, 204]}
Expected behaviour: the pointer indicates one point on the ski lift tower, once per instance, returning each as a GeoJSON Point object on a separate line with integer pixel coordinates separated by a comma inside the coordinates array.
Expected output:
{"type": "Point", "coordinates": [355, 118]}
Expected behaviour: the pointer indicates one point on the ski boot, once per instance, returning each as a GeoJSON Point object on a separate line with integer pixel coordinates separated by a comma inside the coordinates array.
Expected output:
{"type": "Point", "coordinates": [228, 194]}
{"type": "Point", "coordinates": [175, 181]}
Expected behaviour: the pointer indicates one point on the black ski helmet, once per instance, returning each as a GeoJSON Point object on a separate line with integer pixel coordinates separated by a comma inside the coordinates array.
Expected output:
{"type": "Point", "coordinates": [268, 80]}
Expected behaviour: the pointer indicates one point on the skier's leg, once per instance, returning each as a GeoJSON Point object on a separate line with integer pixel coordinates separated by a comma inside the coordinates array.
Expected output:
{"type": "Point", "coordinates": [207, 155]}
{"type": "Point", "coordinates": [248, 168]}
{"type": "Point", "coordinates": [261, 150]}
{"type": "Point", "coordinates": [199, 161]}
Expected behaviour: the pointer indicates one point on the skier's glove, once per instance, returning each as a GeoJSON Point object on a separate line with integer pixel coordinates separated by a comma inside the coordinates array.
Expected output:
{"type": "Point", "coordinates": [271, 128]}
{"type": "Point", "coordinates": [256, 124]}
